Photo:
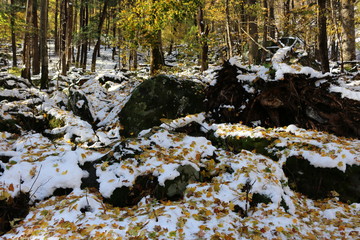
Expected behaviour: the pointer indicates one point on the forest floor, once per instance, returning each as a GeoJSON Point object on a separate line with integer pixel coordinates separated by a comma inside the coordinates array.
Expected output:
{"type": "Point", "coordinates": [43, 157]}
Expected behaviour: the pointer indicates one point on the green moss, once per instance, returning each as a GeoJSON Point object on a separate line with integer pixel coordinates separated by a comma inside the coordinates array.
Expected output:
{"type": "Point", "coordinates": [236, 144]}
{"type": "Point", "coordinates": [15, 71]}
{"type": "Point", "coordinates": [160, 97]}
{"type": "Point", "coordinates": [55, 122]}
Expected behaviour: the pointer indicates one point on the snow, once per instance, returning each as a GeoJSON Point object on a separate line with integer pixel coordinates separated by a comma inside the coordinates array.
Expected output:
{"type": "Point", "coordinates": [39, 165]}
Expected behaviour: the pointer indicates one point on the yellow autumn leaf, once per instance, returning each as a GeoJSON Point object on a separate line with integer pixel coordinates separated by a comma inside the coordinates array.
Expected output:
{"type": "Point", "coordinates": [231, 206]}
{"type": "Point", "coordinates": [83, 155]}
{"type": "Point", "coordinates": [279, 229]}
{"type": "Point", "coordinates": [111, 180]}
{"type": "Point", "coordinates": [217, 187]}
{"type": "Point", "coordinates": [340, 164]}
{"type": "Point", "coordinates": [64, 172]}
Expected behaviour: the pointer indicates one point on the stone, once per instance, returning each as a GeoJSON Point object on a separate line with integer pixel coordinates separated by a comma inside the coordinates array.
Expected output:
{"type": "Point", "coordinates": [78, 103]}
{"type": "Point", "coordinates": [320, 183]}
{"type": "Point", "coordinates": [160, 97]}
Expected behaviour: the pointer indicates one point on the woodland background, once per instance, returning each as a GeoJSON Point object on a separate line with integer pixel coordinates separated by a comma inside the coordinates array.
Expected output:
{"type": "Point", "coordinates": [207, 31]}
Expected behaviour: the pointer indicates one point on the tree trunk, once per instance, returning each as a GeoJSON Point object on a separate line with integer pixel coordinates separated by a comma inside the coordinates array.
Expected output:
{"type": "Point", "coordinates": [26, 72]}
{"type": "Point", "coordinates": [35, 40]}
{"type": "Point", "coordinates": [272, 19]}
{"type": "Point", "coordinates": [228, 33]}
{"type": "Point", "coordinates": [84, 28]}
{"type": "Point", "coordinates": [323, 47]}
{"type": "Point", "coordinates": [69, 31]}
{"type": "Point", "coordinates": [265, 30]}
{"type": "Point", "coordinates": [97, 45]}
{"type": "Point", "coordinates": [203, 34]}
{"type": "Point", "coordinates": [63, 20]}
{"type": "Point", "coordinates": [156, 54]}
{"type": "Point", "coordinates": [13, 36]}
{"type": "Point", "coordinates": [348, 30]}
{"type": "Point", "coordinates": [252, 29]}
{"type": "Point", "coordinates": [56, 28]}
{"type": "Point", "coordinates": [43, 43]}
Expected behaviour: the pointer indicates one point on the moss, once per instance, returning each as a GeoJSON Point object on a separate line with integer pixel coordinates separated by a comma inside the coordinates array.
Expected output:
{"type": "Point", "coordinates": [55, 122]}
{"type": "Point", "coordinates": [235, 144]}
{"type": "Point", "coordinates": [160, 97]}
{"type": "Point", "coordinates": [15, 71]}
{"type": "Point", "coordinates": [319, 183]}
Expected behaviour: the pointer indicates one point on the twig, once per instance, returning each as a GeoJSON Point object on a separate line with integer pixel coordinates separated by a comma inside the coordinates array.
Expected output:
{"type": "Point", "coordinates": [252, 39]}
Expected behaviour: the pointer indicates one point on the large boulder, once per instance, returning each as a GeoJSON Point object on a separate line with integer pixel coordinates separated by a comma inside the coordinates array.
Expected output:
{"type": "Point", "coordinates": [160, 97]}
{"type": "Point", "coordinates": [319, 183]}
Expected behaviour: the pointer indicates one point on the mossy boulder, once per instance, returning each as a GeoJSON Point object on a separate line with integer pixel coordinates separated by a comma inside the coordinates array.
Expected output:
{"type": "Point", "coordinates": [160, 97]}
{"type": "Point", "coordinates": [319, 183]}
{"type": "Point", "coordinates": [174, 189]}
{"type": "Point", "coordinates": [237, 144]}
{"type": "Point", "coordinates": [148, 185]}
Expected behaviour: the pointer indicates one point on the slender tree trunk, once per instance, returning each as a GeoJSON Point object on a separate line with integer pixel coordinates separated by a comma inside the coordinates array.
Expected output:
{"type": "Point", "coordinates": [265, 30]}
{"type": "Point", "coordinates": [203, 34]}
{"type": "Point", "coordinates": [348, 29]}
{"type": "Point", "coordinates": [63, 18]}
{"type": "Point", "coordinates": [69, 31]}
{"type": "Point", "coordinates": [97, 45]}
{"type": "Point", "coordinates": [228, 33]}
{"type": "Point", "coordinates": [13, 36]}
{"type": "Point", "coordinates": [271, 19]}
{"type": "Point", "coordinates": [84, 46]}
{"type": "Point", "coordinates": [26, 72]}
{"type": "Point", "coordinates": [156, 54]}
{"type": "Point", "coordinates": [56, 28]}
{"type": "Point", "coordinates": [323, 48]}
{"type": "Point", "coordinates": [253, 32]}
{"type": "Point", "coordinates": [43, 43]}
{"type": "Point", "coordinates": [35, 40]}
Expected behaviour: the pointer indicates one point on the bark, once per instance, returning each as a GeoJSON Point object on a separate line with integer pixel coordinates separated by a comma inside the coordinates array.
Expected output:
{"type": "Point", "coordinates": [265, 30]}
{"type": "Point", "coordinates": [133, 62]}
{"type": "Point", "coordinates": [323, 47]}
{"type": "Point", "coordinates": [84, 28]}
{"type": "Point", "coordinates": [63, 20]}
{"type": "Point", "coordinates": [203, 30]}
{"type": "Point", "coordinates": [272, 19]}
{"type": "Point", "coordinates": [348, 29]}
{"type": "Point", "coordinates": [97, 45]}
{"type": "Point", "coordinates": [69, 31]}
{"type": "Point", "coordinates": [252, 29]}
{"type": "Point", "coordinates": [43, 43]}
{"type": "Point", "coordinates": [26, 72]}
{"type": "Point", "coordinates": [156, 54]}
{"type": "Point", "coordinates": [228, 33]}
{"type": "Point", "coordinates": [13, 36]}
{"type": "Point", "coordinates": [56, 28]}
{"type": "Point", "coordinates": [35, 40]}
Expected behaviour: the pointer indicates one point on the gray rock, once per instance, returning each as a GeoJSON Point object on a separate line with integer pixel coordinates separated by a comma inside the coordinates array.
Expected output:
{"type": "Point", "coordinates": [160, 97]}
